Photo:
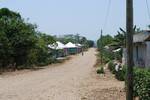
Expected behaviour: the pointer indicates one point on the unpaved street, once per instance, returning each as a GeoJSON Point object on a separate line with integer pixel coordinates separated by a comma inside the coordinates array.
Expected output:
{"type": "Point", "coordinates": [73, 80]}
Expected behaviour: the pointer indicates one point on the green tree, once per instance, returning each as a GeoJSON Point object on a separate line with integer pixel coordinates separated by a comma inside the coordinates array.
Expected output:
{"type": "Point", "coordinates": [44, 55]}
{"type": "Point", "coordinates": [90, 43]}
{"type": "Point", "coordinates": [20, 43]}
{"type": "Point", "coordinates": [107, 39]}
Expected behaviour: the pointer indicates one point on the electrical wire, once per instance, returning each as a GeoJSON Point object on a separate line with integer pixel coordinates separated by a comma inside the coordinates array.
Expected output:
{"type": "Point", "coordinates": [107, 14]}
{"type": "Point", "coordinates": [148, 9]}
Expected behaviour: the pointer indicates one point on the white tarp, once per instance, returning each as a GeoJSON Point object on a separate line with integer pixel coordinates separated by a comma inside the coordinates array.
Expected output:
{"type": "Point", "coordinates": [117, 50]}
{"type": "Point", "coordinates": [70, 45]}
{"type": "Point", "coordinates": [52, 46]}
{"type": "Point", "coordinates": [57, 45]}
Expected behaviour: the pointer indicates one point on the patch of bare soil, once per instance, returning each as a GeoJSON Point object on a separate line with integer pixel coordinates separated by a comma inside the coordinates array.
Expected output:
{"type": "Point", "coordinates": [103, 87]}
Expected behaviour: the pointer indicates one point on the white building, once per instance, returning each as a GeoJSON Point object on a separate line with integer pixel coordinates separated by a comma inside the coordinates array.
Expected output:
{"type": "Point", "coordinates": [71, 48]}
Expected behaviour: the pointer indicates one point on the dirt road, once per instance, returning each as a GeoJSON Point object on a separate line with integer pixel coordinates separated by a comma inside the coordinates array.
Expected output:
{"type": "Point", "coordinates": [73, 80]}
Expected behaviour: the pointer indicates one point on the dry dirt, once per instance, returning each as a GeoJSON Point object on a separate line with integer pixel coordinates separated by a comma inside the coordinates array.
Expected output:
{"type": "Point", "coordinates": [75, 79]}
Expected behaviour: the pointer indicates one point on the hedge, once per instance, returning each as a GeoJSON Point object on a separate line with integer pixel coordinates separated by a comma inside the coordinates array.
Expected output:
{"type": "Point", "coordinates": [111, 67]}
{"type": "Point", "coordinates": [142, 83]}
{"type": "Point", "coordinates": [120, 75]}
{"type": "Point", "coordinates": [141, 80]}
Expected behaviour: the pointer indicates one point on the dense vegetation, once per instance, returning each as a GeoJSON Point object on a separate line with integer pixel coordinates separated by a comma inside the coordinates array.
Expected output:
{"type": "Point", "coordinates": [106, 44]}
{"type": "Point", "coordinates": [21, 45]}
{"type": "Point", "coordinates": [141, 80]}
{"type": "Point", "coordinates": [142, 83]}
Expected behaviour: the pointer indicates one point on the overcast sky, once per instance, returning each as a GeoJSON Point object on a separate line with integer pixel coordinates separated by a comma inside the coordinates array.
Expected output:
{"type": "Point", "coordinates": [86, 17]}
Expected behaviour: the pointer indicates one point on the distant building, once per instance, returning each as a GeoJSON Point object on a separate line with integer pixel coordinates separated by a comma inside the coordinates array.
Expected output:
{"type": "Point", "coordinates": [61, 50]}
{"type": "Point", "coordinates": [71, 48]}
{"type": "Point", "coordinates": [141, 49]}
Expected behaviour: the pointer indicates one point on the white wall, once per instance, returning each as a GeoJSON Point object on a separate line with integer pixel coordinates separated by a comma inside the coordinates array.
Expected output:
{"type": "Point", "coordinates": [144, 53]}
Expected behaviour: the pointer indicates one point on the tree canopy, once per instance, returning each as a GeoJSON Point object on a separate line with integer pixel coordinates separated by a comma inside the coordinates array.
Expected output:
{"type": "Point", "coordinates": [18, 40]}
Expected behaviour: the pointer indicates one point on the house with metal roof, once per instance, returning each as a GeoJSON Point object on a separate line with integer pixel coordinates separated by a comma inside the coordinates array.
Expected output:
{"type": "Point", "coordinates": [141, 49]}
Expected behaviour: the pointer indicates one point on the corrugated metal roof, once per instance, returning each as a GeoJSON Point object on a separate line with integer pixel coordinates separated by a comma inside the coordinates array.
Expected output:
{"type": "Point", "coordinates": [141, 37]}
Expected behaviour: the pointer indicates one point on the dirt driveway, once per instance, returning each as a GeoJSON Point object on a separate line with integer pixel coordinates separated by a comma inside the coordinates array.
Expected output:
{"type": "Point", "coordinates": [73, 80]}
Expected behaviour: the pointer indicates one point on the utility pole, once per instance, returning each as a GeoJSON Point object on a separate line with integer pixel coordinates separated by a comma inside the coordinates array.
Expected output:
{"type": "Point", "coordinates": [129, 37]}
{"type": "Point", "coordinates": [101, 47]}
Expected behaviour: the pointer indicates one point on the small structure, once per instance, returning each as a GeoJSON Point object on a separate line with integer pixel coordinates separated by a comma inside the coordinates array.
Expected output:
{"type": "Point", "coordinates": [71, 48]}
{"type": "Point", "coordinates": [141, 49]}
{"type": "Point", "coordinates": [59, 48]}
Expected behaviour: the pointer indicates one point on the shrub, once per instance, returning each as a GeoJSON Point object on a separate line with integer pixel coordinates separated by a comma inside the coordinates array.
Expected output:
{"type": "Point", "coordinates": [142, 83]}
{"type": "Point", "coordinates": [107, 56]}
{"type": "Point", "coordinates": [118, 56]}
{"type": "Point", "coordinates": [111, 67]}
{"type": "Point", "coordinates": [100, 70]}
{"type": "Point", "coordinates": [105, 59]}
{"type": "Point", "coordinates": [120, 75]}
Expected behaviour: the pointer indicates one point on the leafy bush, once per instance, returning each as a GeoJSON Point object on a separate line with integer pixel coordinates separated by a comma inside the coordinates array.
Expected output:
{"type": "Point", "coordinates": [142, 83]}
{"type": "Point", "coordinates": [20, 43]}
{"type": "Point", "coordinates": [100, 70]}
{"type": "Point", "coordinates": [105, 59]}
{"type": "Point", "coordinates": [107, 56]}
{"type": "Point", "coordinates": [111, 67]}
{"type": "Point", "coordinates": [118, 55]}
{"type": "Point", "coordinates": [120, 75]}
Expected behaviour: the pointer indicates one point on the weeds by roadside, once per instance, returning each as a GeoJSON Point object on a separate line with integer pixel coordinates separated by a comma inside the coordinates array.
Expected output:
{"type": "Point", "coordinates": [100, 70]}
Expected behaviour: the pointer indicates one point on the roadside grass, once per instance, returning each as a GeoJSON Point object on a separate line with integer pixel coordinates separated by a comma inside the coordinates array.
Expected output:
{"type": "Point", "coordinates": [100, 70]}
{"type": "Point", "coordinates": [99, 65]}
{"type": "Point", "coordinates": [98, 60]}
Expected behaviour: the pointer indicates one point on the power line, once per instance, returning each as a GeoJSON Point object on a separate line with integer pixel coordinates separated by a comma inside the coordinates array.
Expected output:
{"type": "Point", "coordinates": [148, 9]}
{"type": "Point", "coordinates": [107, 14]}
